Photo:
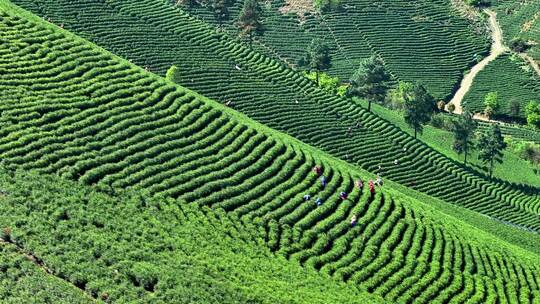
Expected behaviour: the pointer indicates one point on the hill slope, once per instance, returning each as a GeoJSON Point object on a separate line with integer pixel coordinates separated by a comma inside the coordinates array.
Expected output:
{"type": "Point", "coordinates": [217, 66]}
{"type": "Point", "coordinates": [78, 111]}
{"type": "Point", "coordinates": [135, 249]}
{"type": "Point", "coordinates": [512, 79]}
{"type": "Point", "coordinates": [426, 41]}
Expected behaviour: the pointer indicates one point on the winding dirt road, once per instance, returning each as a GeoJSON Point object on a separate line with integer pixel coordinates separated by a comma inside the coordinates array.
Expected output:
{"type": "Point", "coordinates": [497, 48]}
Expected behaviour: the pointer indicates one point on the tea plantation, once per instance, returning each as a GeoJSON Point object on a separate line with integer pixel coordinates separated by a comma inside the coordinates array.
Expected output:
{"type": "Point", "coordinates": [512, 79]}
{"type": "Point", "coordinates": [425, 41]}
{"type": "Point", "coordinates": [271, 93]}
{"type": "Point", "coordinates": [119, 186]}
{"type": "Point", "coordinates": [520, 19]}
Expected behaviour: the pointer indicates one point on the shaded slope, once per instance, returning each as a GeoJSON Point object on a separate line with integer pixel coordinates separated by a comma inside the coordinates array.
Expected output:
{"type": "Point", "coordinates": [78, 111]}
{"type": "Point", "coordinates": [280, 98]}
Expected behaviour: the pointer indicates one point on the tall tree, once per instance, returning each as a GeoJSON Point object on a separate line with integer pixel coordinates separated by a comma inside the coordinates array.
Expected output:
{"type": "Point", "coordinates": [463, 130]}
{"type": "Point", "coordinates": [419, 107]}
{"type": "Point", "coordinates": [491, 144]}
{"type": "Point", "coordinates": [317, 57]}
{"type": "Point", "coordinates": [249, 21]}
{"type": "Point", "coordinates": [370, 81]}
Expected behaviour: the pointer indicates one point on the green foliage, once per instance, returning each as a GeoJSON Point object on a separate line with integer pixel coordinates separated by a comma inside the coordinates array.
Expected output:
{"type": "Point", "coordinates": [514, 81]}
{"type": "Point", "coordinates": [518, 45]}
{"type": "Point", "coordinates": [451, 108]}
{"type": "Point", "coordinates": [328, 83]}
{"type": "Point", "coordinates": [519, 21]}
{"type": "Point", "coordinates": [490, 146]}
{"type": "Point", "coordinates": [24, 281]}
{"type": "Point", "coordinates": [419, 106]}
{"type": "Point", "coordinates": [325, 5]}
{"type": "Point", "coordinates": [477, 3]}
{"type": "Point", "coordinates": [491, 103]}
{"type": "Point", "coordinates": [249, 20]}
{"type": "Point", "coordinates": [170, 123]}
{"type": "Point", "coordinates": [170, 145]}
{"type": "Point", "coordinates": [392, 30]}
{"type": "Point", "coordinates": [527, 150]}
{"type": "Point", "coordinates": [317, 58]}
{"type": "Point", "coordinates": [173, 74]}
{"type": "Point", "coordinates": [463, 130]}
{"type": "Point", "coordinates": [533, 114]}
{"type": "Point", "coordinates": [396, 95]}
{"type": "Point", "coordinates": [370, 81]}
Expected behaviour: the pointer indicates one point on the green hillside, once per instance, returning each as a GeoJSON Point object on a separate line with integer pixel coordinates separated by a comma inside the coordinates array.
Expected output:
{"type": "Point", "coordinates": [513, 168]}
{"type": "Point", "coordinates": [217, 66]}
{"type": "Point", "coordinates": [426, 41]}
{"type": "Point", "coordinates": [135, 249]}
{"type": "Point", "coordinates": [513, 80]}
{"type": "Point", "coordinates": [520, 19]}
{"type": "Point", "coordinates": [72, 109]}
{"type": "Point", "coordinates": [24, 281]}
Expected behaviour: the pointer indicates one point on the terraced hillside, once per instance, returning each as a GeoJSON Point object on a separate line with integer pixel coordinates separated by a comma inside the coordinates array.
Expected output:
{"type": "Point", "coordinates": [93, 248]}
{"type": "Point", "coordinates": [427, 41]}
{"type": "Point", "coordinates": [512, 79]}
{"type": "Point", "coordinates": [213, 64]}
{"type": "Point", "coordinates": [73, 109]}
{"type": "Point", "coordinates": [520, 19]}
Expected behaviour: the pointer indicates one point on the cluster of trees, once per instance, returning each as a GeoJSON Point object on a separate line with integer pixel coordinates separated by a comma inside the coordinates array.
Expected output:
{"type": "Point", "coordinates": [371, 81]}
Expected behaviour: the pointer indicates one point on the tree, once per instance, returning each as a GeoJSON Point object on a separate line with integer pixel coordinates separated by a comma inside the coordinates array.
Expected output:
{"type": "Point", "coordinates": [518, 45]}
{"type": "Point", "coordinates": [249, 21]}
{"type": "Point", "coordinates": [491, 144]}
{"type": "Point", "coordinates": [370, 81]}
{"type": "Point", "coordinates": [491, 101]}
{"type": "Point", "coordinates": [173, 74]}
{"type": "Point", "coordinates": [463, 130]}
{"type": "Point", "coordinates": [328, 83]}
{"type": "Point", "coordinates": [317, 57]}
{"type": "Point", "coordinates": [322, 5]}
{"type": "Point", "coordinates": [533, 114]}
{"type": "Point", "coordinates": [221, 12]}
{"type": "Point", "coordinates": [419, 107]}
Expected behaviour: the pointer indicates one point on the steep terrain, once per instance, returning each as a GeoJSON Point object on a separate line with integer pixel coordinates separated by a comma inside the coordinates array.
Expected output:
{"type": "Point", "coordinates": [419, 41]}
{"type": "Point", "coordinates": [512, 79]}
{"type": "Point", "coordinates": [75, 110]}
{"type": "Point", "coordinates": [217, 66]}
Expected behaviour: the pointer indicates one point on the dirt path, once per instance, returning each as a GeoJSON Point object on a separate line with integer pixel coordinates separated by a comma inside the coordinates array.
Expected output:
{"type": "Point", "coordinates": [497, 48]}
{"type": "Point", "coordinates": [531, 61]}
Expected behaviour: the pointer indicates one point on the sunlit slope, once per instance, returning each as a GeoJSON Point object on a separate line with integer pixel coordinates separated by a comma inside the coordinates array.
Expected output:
{"type": "Point", "coordinates": [22, 280]}
{"type": "Point", "coordinates": [75, 110]}
{"type": "Point", "coordinates": [425, 41]}
{"type": "Point", "coordinates": [514, 81]}
{"type": "Point", "coordinates": [152, 33]}
{"type": "Point", "coordinates": [135, 249]}
{"type": "Point", "coordinates": [520, 19]}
